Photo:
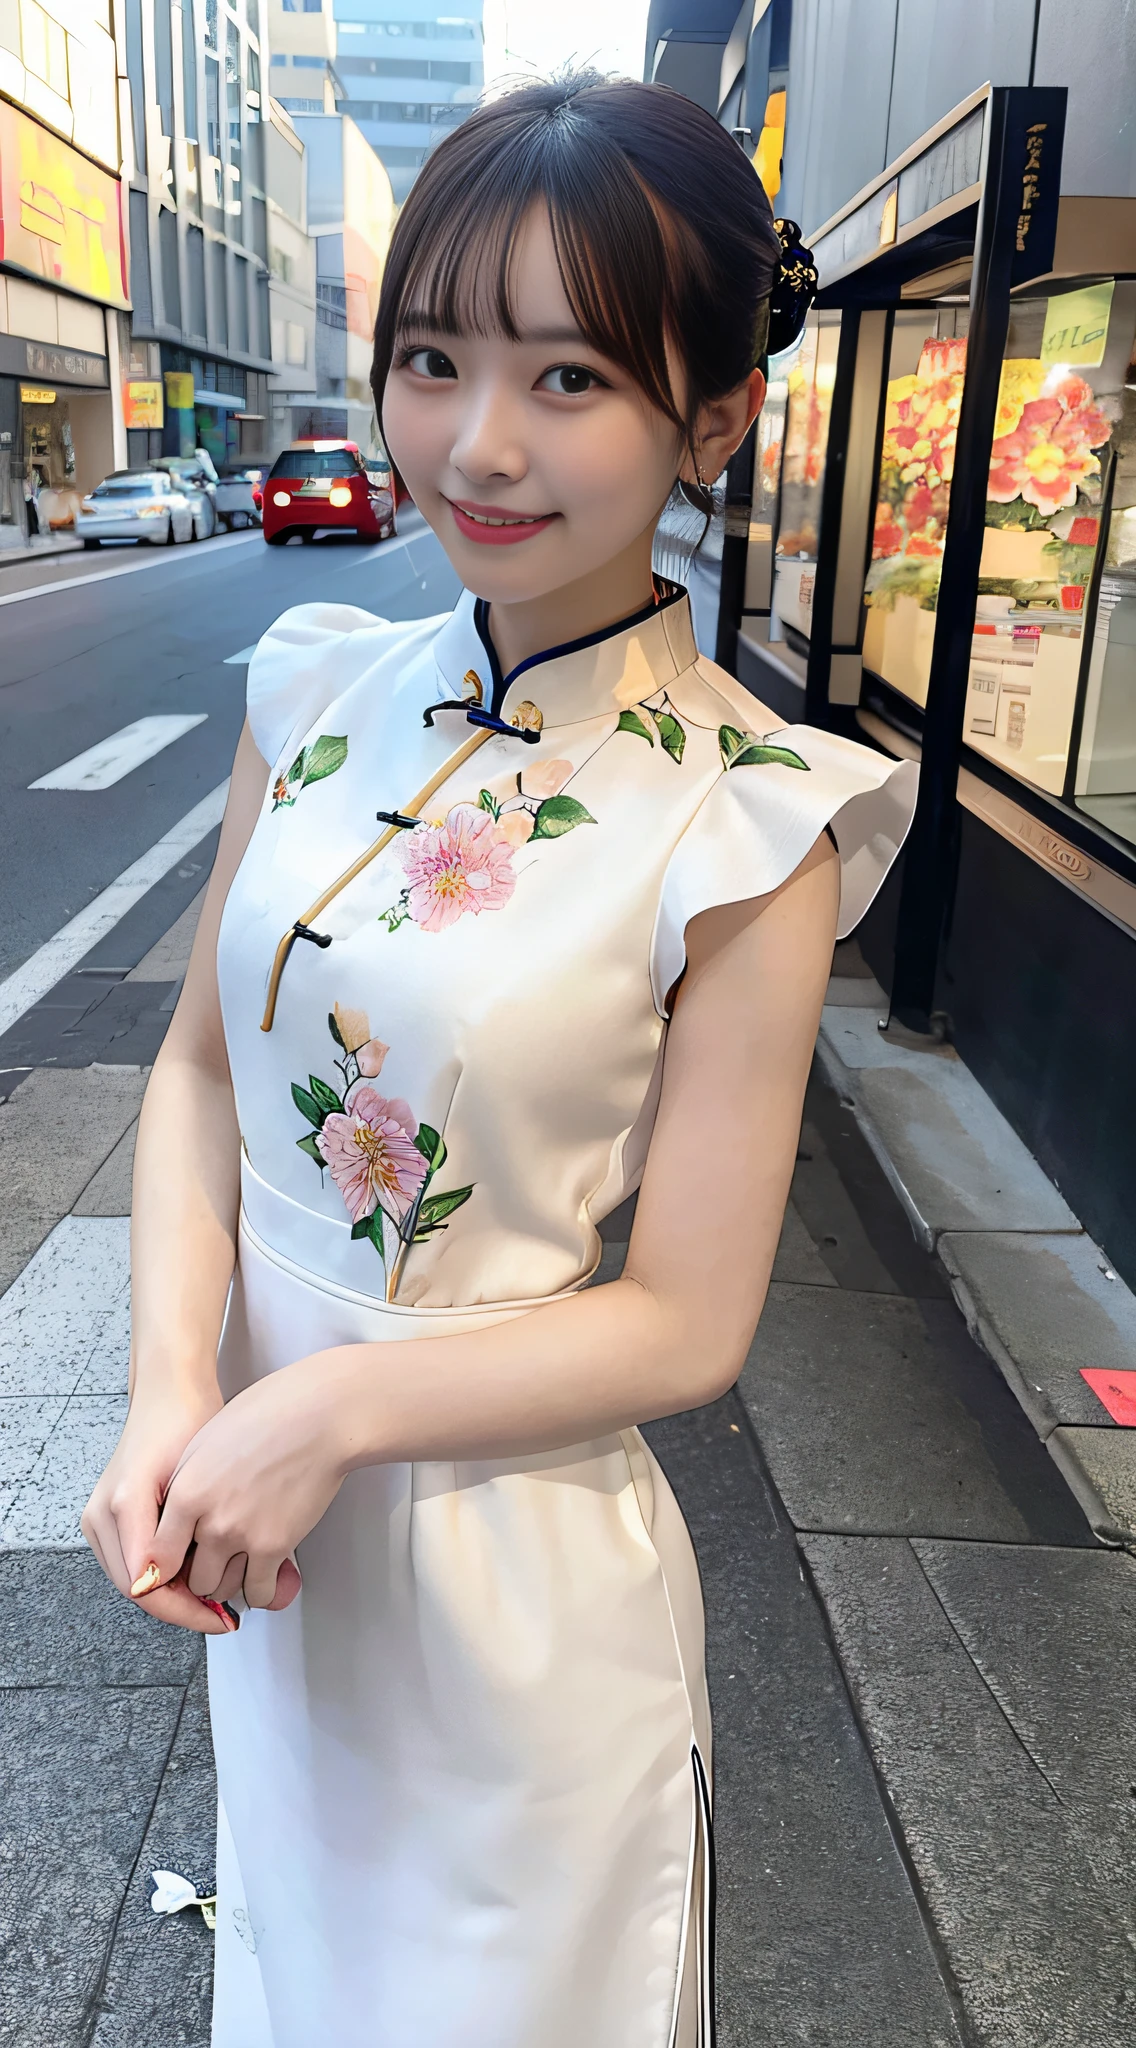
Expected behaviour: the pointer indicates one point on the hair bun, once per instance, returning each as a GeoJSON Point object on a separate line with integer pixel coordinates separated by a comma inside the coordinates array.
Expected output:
{"type": "Point", "coordinates": [794, 288]}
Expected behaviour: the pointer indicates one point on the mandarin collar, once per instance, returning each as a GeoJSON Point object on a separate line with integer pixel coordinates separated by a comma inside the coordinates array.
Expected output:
{"type": "Point", "coordinates": [609, 671]}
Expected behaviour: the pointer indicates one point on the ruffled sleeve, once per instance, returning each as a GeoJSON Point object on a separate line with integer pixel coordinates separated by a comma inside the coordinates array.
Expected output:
{"type": "Point", "coordinates": [759, 820]}
{"type": "Point", "coordinates": [308, 658]}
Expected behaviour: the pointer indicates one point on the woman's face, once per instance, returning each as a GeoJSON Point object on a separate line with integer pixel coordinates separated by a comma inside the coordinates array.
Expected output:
{"type": "Point", "coordinates": [538, 461]}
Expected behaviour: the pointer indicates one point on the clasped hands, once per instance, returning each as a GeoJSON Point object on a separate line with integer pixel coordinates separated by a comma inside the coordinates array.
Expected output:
{"type": "Point", "coordinates": [216, 1498]}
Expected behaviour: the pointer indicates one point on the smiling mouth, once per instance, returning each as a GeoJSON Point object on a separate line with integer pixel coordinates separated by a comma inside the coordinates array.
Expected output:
{"type": "Point", "coordinates": [509, 519]}
{"type": "Point", "coordinates": [493, 525]}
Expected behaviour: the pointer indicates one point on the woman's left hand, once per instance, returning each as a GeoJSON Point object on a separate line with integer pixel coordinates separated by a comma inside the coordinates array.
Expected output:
{"type": "Point", "coordinates": [250, 1485]}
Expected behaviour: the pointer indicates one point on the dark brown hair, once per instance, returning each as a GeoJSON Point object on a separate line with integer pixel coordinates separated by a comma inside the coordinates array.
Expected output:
{"type": "Point", "coordinates": [660, 224]}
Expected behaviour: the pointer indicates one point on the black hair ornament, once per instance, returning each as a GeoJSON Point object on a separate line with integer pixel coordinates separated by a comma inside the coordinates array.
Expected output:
{"type": "Point", "coordinates": [794, 289]}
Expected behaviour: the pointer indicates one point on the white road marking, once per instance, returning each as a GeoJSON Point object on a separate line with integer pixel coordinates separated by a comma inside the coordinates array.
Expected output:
{"type": "Point", "coordinates": [106, 763]}
{"type": "Point", "coordinates": [58, 955]}
{"type": "Point", "coordinates": [158, 558]}
{"type": "Point", "coordinates": [242, 659]}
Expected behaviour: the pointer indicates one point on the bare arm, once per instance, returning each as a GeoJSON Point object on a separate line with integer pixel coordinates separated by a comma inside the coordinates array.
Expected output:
{"type": "Point", "coordinates": [183, 1233]}
{"type": "Point", "coordinates": [671, 1333]}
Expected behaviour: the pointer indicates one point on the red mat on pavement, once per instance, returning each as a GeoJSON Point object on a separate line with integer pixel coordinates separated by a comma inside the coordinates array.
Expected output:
{"type": "Point", "coordinates": [1118, 1392]}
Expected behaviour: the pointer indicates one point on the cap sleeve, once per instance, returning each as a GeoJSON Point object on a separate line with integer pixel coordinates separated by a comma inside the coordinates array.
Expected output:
{"type": "Point", "coordinates": [759, 820]}
{"type": "Point", "coordinates": [310, 656]}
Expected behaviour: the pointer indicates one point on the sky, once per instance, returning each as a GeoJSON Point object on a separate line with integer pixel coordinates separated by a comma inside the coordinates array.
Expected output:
{"type": "Point", "coordinates": [538, 35]}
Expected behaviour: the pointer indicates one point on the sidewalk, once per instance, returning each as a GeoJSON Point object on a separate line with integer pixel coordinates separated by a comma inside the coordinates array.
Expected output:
{"type": "Point", "coordinates": [919, 1651]}
{"type": "Point", "coordinates": [1037, 1293]}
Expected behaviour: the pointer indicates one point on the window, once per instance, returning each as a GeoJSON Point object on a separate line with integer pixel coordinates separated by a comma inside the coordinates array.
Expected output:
{"type": "Point", "coordinates": [140, 290]}
{"type": "Point", "coordinates": [312, 462]}
{"type": "Point", "coordinates": [164, 64]}
{"type": "Point", "coordinates": [808, 371]}
{"type": "Point", "coordinates": [404, 67]}
{"type": "Point", "coordinates": [220, 330]}
{"type": "Point", "coordinates": [423, 113]}
{"type": "Point", "coordinates": [168, 251]}
{"type": "Point", "coordinates": [195, 280]}
{"type": "Point", "coordinates": [240, 335]}
{"type": "Point", "coordinates": [137, 80]}
{"type": "Point", "coordinates": [189, 69]}
{"type": "Point", "coordinates": [452, 31]}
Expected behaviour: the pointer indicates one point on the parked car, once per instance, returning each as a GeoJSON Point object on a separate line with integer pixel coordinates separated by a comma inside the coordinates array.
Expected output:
{"type": "Point", "coordinates": [318, 484]}
{"type": "Point", "coordinates": [238, 498]}
{"type": "Point", "coordinates": [140, 505]}
{"type": "Point", "coordinates": [196, 476]}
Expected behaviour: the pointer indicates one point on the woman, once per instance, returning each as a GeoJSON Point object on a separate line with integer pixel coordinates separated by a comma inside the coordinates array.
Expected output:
{"type": "Point", "coordinates": [464, 1771]}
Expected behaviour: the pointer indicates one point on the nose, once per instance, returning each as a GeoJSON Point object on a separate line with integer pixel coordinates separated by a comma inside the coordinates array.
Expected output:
{"type": "Point", "coordinates": [488, 446]}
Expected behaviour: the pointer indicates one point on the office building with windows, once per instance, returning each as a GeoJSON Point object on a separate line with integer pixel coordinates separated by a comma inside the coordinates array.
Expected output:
{"type": "Point", "coordinates": [200, 343]}
{"type": "Point", "coordinates": [407, 75]}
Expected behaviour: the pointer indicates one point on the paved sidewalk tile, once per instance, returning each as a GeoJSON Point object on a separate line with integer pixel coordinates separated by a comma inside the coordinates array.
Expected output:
{"type": "Point", "coordinates": [1043, 1307]}
{"type": "Point", "coordinates": [60, 1618]}
{"type": "Point", "coordinates": [74, 1818]}
{"type": "Point", "coordinates": [819, 1932]}
{"type": "Point", "coordinates": [1100, 1466]}
{"type": "Point", "coordinates": [1053, 1633]}
{"type": "Point", "coordinates": [52, 1316]}
{"type": "Point", "coordinates": [951, 1156]}
{"type": "Point", "coordinates": [26, 1422]}
{"type": "Point", "coordinates": [56, 1130]}
{"type": "Point", "coordinates": [880, 1415]}
{"type": "Point", "coordinates": [1035, 1935]}
{"type": "Point", "coordinates": [108, 1193]}
{"type": "Point", "coordinates": [45, 1509]}
{"type": "Point", "coordinates": [159, 1980]}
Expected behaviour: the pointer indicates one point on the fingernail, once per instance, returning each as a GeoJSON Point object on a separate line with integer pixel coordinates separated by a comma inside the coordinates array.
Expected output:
{"type": "Point", "coordinates": [225, 1613]}
{"type": "Point", "coordinates": [147, 1581]}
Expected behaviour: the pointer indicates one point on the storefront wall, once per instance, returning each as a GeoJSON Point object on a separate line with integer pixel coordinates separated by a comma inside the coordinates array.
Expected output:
{"type": "Point", "coordinates": [1037, 968]}
{"type": "Point", "coordinates": [56, 402]}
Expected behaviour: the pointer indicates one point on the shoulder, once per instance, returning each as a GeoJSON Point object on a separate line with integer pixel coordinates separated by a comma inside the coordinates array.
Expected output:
{"type": "Point", "coordinates": [311, 654]}
{"type": "Point", "coordinates": [778, 788]}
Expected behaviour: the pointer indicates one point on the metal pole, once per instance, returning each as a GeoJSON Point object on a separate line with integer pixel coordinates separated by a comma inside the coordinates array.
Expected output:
{"type": "Point", "coordinates": [735, 547]}
{"type": "Point", "coordinates": [831, 512]}
{"type": "Point", "coordinates": [1021, 178]}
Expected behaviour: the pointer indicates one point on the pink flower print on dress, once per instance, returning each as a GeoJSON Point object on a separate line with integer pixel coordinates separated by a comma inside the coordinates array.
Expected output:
{"type": "Point", "coordinates": [518, 826]}
{"type": "Point", "coordinates": [371, 1154]}
{"type": "Point", "coordinates": [463, 864]}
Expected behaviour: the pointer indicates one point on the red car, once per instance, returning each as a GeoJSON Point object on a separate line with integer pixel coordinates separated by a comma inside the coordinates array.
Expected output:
{"type": "Point", "coordinates": [325, 483]}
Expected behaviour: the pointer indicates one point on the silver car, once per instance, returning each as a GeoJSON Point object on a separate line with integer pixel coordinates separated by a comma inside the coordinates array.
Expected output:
{"type": "Point", "coordinates": [138, 504]}
{"type": "Point", "coordinates": [196, 476]}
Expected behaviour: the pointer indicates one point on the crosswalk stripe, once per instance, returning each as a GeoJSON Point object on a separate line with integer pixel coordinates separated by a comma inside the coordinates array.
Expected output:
{"type": "Point", "coordinates": [58, 955]}
{"type": "Point", "coordinates": [106, 763]}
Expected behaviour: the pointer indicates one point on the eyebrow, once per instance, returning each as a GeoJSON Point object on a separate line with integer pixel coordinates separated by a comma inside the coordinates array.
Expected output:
{"type": "Point", "coordinates": [419, 317]}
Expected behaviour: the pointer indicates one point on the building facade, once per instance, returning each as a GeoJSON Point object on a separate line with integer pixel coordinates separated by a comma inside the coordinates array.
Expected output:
{"type": "Point", "coordinates": [407, 75]}
{"type": "Point", "coordinates": [63, 275]}
{"type": "Point", "coordinates": [938, 545]}
{"type": "Point", "coordinates": [350, 215]}
{"type": "Point", "coordinates": [200, 340]}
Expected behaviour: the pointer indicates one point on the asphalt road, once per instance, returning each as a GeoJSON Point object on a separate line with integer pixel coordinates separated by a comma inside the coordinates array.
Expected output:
{"type": "Point", "coordinates": [90, 653]}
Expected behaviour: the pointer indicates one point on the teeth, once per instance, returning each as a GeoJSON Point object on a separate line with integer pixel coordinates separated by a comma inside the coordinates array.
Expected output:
{"type": "Point", "coordinates": [521, 519]}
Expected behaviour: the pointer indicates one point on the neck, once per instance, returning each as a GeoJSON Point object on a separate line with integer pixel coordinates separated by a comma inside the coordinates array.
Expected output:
{"type": "Point", "coordinates": [600, 599]}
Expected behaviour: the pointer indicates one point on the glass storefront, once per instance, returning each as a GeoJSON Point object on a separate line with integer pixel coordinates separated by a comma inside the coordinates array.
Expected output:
{"type": "Point", "coordinates": [1052, 682]}
{"type": "Point", "coordinates": [807, 374]}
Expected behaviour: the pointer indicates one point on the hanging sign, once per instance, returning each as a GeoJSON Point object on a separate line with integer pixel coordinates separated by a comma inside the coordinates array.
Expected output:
{"type": "Point", "coordinates": [1076, 326]}
{"type": "Point", "coordinates": [179, 390]}
{"type": "Point", "coordinates": [142, 404]}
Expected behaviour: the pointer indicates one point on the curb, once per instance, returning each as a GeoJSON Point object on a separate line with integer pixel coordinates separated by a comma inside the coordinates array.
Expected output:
{"type": "Point", "coordinates": [1036, 1293]}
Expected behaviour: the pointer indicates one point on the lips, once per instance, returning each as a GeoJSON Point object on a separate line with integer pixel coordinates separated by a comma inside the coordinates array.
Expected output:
{"type": "Point", "coordinates": [496, 525]}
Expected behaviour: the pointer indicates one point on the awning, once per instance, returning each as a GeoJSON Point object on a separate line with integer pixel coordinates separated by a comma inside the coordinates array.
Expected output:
{"type": "Point", "coordinates": [223, 399]}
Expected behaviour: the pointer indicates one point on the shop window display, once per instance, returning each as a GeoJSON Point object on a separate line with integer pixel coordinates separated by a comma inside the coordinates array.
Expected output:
{"type": "Point", "coordinates": [1049, 674]}
{"type": "Point", "coordinates": [809, 372]}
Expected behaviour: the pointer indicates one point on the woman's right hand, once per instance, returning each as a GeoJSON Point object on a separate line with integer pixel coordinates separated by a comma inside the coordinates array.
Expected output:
{"type": "Point", "coordinates": [122, 1514]}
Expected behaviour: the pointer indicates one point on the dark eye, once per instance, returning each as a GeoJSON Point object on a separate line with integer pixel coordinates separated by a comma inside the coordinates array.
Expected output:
{"type": "Point", "coordinates": [429, 362]}
{"type": "Point", "coordinates": [569, 380]}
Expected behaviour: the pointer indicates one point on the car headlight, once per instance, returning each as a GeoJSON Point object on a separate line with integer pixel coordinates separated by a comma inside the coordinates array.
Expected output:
{"type": "Point", "coordinates": [282, 497]}
{"type": "Point", "coordinates": [340, 495]}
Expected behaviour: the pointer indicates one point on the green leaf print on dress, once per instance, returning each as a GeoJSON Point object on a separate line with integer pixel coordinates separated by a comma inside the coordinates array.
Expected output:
{"type": "Point", "coordinates": [312, 764]}
{"type": "Point", "coordinates": [465, 862]}
{"type": "Point", "coordinates": [742, 750]}
{"type": "Point", "coordinates": [656, 717]}
{"type": "Point", "coordinates": [380, 1158]}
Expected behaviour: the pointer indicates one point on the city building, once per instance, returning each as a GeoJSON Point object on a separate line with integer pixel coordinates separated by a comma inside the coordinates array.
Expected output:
{"type": "Point", "coordinates": [407, 75]}
{"type": "Point", "coordinates": [302, 72]}
{"type": "Point", "coordinates": [350, 215]}
{"type": "Point", "coordinates": [292, 280]}
{"type": "Point", "coordinates": [199, 354]}
{"type": "Point", "coordinates": [63, 281]}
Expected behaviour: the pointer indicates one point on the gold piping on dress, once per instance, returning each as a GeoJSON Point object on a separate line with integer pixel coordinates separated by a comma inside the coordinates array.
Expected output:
{"type": "Point", "coordinates": [410, 810]}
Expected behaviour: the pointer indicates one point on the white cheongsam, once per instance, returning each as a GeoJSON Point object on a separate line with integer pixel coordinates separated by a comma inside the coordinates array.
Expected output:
{"type": "Point", "coordinates": [464, 1776]}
